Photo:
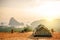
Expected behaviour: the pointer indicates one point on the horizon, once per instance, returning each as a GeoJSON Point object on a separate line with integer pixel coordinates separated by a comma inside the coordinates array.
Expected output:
{"type": "Point", "coordinates": [50, 24]}
{"type": "Point", "coordinates": [48, 20]}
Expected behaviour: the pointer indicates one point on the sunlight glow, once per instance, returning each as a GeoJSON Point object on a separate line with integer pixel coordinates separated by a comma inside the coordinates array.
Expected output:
{"type": "Point", "coordinates": [49, 19]}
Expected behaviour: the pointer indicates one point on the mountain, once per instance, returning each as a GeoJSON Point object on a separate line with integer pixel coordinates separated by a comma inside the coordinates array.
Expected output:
{"type": "Point", "coordinates": [38, 22]}
{"type": "Point", "coordinates": [14, 22]}
{"type": "Point", "coordinates": [55, 24]}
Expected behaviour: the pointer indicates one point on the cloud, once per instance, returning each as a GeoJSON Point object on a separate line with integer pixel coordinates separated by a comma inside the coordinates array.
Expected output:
{"type": "Point", "coordinates": [19, 3]}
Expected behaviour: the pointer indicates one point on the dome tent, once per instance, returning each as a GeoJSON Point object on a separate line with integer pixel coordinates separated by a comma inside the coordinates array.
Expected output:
{"type": "Point", "coordinates": [42, 31]}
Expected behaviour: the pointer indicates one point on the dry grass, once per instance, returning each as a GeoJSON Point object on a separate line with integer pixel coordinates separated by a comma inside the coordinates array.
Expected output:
{"type": "Point", "coordinates": [25, 36]}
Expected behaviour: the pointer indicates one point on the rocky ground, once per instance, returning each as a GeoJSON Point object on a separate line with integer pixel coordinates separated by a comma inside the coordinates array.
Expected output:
{"type": "Point", "coordinates": [26, 36]}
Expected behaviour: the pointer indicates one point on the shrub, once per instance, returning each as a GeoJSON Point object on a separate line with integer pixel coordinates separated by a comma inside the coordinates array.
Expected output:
{"type": "Point", "coordinates": [27, 29]}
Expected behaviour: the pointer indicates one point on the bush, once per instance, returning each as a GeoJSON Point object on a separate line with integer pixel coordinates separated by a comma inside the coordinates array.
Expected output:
{"type": "Point", "coordinates": [27, 29]}
{"type": "Point", "coordinates": [8, 29]}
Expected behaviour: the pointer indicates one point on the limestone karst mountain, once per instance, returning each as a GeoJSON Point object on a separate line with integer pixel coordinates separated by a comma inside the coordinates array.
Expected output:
{"type": "Point", "coordinates": [14, 22]}
{"type": "Point", "coordinates": [37, 22]}
{"type": "Point", "coordinates": [55, 24]}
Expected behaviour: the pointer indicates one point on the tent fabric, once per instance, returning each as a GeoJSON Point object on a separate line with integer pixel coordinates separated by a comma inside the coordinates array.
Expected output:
{"type": "Point", "coordinates": [42, 31]}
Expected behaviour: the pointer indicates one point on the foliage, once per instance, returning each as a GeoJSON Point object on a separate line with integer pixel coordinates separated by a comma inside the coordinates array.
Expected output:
{"type": "Point", "coordinates": [27, 28]}
{"type": "Point", "coordinates": [8, 29]}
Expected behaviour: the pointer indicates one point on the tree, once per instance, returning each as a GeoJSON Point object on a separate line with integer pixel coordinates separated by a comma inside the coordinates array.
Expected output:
{"type": "Point", "coordinates": [52, 30]}
{"type": "Point", "coordinates": [12, 30]}
{"type": "Point", "coordinates": [27, 28]}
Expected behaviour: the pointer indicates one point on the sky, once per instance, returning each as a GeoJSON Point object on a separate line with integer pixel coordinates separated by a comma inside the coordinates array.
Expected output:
{"type": "Point", "coordinates": [29, 10]}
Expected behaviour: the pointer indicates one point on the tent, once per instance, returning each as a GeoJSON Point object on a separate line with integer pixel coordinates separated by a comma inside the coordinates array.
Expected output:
{"type": "Point", "coordinates": [41, 31]}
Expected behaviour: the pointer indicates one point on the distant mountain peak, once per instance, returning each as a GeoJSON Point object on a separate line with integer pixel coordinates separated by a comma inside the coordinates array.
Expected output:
{"type": "Point", "coordinates": [14, 22]}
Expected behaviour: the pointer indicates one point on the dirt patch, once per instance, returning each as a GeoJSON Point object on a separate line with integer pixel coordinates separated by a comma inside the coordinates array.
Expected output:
{"type": "Point", "coordinates": [25, 36]}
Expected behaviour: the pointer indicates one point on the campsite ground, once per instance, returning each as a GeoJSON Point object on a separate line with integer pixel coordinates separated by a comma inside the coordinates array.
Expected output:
{"type": "Point", "coordinates": [26, 36]}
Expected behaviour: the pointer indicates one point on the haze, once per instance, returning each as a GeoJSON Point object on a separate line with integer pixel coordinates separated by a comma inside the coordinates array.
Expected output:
{"type": "Point", "coordinates": [29, 10]}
